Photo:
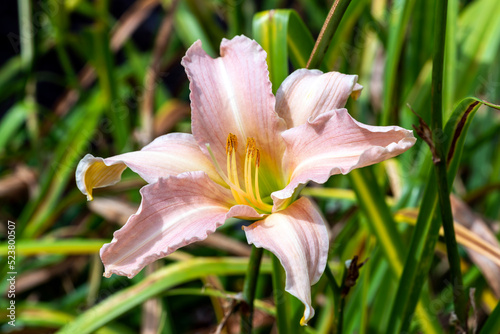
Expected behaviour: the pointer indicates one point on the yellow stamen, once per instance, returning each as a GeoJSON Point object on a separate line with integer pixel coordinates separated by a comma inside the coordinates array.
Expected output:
{"type": "Point", "coordinates": [250, 143]}
{"type": "Point", "coordinates": [234, 170]}
{"type": "Point", "coordinates": [221, 173]}
{"type": "Point", "coordinates": [257, 164]}
{"type": "Point", "coordinates": [251, 195]}
{"type": "Point", "coordinates": [232, 173]}
{"type": "Point", "coordinates": [248, 166]}
{"type": "Point", "coordinates": [231, 143]}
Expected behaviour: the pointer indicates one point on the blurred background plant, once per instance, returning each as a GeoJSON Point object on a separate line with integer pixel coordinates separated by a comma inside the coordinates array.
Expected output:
{"type": "Point", "coordinates": [105, 77]}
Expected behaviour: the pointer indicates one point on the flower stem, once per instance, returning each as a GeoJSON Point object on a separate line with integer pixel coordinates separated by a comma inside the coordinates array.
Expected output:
{"type": "Point", "coordinates": [279, 296]}
{"type": "Point", "coordinates": [337, 291]}
{"type": "Point", "coordinates": [325, 35]}
{"type": "Point", "coordinates": [460, 300]}
{"type": "Point", "coordinates": [249, 289]}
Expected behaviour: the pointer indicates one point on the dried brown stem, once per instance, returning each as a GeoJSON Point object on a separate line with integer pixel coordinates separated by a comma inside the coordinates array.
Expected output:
{"type": "Point", "coordinates": [150, 81]}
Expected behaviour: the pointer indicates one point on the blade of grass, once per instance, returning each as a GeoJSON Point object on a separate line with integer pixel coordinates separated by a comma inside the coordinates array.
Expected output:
{"type": "Point", "coordinates": [426, 232]}
{"type": "Point", "coordinates": [204, 15]}
{"type": "Point", "coordinates": [11, 79]}
{"type": "Point", "coordinates": [283, 34]}
{"type": "Point", "coordinates": [381, 222]}
{"type": "Point", "coordinates": [400, 15]}
{"type": "Point", "coordinates": [460, 300]}
{"type": "Point", "coordinates": [155, 284]}
{"type": "Point", "coordinates": [36, 316]}
{"type": "Point", "coordinates": [272, 36]}
{"type": "Point", "coordinates": [27, 59]}
{"type": "Point", "coordinates": [327, 31]}
{"type": "Point", "coordinates": [190, 30]}
{"type": "Point", "coordinates": [479, 45]}
{"type": "Point", "coordinates": [417, 266]}
{"type": "Point", "coordinates": [450, 62]}
{"type": "Point", "coordinates": [80, 128]}
{"type": "Point", "coordinates": [382, 225]}
{"type": "Point", "coordinates": [340, 44]}
{"type": "Point", "coordinates": [492, 325]}
{"type": "Point", "coordinates": [12, 122]}
{"type": "Point", "coordinates": [259, 304]}
{"type": "Point", "coordinates": [456, 130]}
{"type": "Point", "coordinates": [66, 246]}
{"type": "Point", "coordinates": [26, 34]}
{"type": "Point", "coordinates": [235, 17]}
{"type": "Point", "coordinates": [106, 73]}
{"type": "Point", "coordinates": [150, 81]}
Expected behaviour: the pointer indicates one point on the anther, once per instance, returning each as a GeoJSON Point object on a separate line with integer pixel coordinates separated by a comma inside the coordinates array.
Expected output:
{"type": "Point", "coordinates": [231, 143]}
{"type": "Point", "coordinates": [257, 157]}
{"type": "Point", "coordinates": [250, 144]}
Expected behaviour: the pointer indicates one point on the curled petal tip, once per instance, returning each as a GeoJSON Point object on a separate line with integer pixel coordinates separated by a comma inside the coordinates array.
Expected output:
{"type": "Point", "coordinates": [93, 172]}
{"type": "Point", "coordinates": [356, 91]}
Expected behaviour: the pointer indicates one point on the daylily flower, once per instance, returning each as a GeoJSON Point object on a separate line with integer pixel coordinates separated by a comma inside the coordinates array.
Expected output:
{"type": "Point", "coordinates": [248, 156]}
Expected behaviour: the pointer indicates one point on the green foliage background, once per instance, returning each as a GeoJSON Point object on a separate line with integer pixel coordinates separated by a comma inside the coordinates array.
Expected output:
{"type": "Point", "coordinates": [77, 82]}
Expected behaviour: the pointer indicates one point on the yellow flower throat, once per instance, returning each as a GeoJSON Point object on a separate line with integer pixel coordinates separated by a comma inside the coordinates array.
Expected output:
{"type": "Point", "coordinates": [248, 193]}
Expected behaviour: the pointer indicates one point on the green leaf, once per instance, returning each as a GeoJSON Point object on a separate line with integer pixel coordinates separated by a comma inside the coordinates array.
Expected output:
{"type": "Point", "coordinates": [65, 246]}
{"type": "Point", "coordinates": [259, 304]}
{"type": "Point", "coordinates": [39, 315]}
{"type": "Point", "coordinates": [328, 30]}
{"type": "Point", "coordinates": [102, 58]}
{"type": "Point", "coordinates": [382, 225]}
{"type": "Point", "coordinates": [11, 78]}
{"type": "Point", "coordinates": [340, 45]}
{"type": "Point", "coordinates": [153, 285]}
{"type": "Point", "coordinates": [426, 232]}
{"type": "Point", "coordinates": [190, 30]}
{"type": "Point", "coordinates": [456, 129]}
{"type": "Point", "coordinates": [203, 14]}
{"type": "Point", "coordinates": [478, 41]}
{"type": "Point", "coordinates": [492, 325]}
{"type": "Point", "coordinates": [12, 122]}
{"type": "Point", "coordinates": [400, 15]}
{"type": "Point", "coordinates": [79, 131]}
{"type": "Point", "coordinates": [282, 33]}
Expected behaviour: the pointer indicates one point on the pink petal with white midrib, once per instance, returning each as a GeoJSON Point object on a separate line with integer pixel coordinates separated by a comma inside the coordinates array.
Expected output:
{"type": "Point", "coordinates": [299, 238]}
{"type": "Point", "coordinates": [167, 155]}
{"type": "Point", "coordinates": [233, 94]}
{"type": "Point", "coordinates": [174, 212]}
{"type": "Point", "coordinates": [306, 94]}
{"type": "Point", "coordinates": [335, 143]}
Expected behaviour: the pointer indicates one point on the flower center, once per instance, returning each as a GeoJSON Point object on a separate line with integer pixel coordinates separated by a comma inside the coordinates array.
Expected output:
{"type": "Point", "coordinates": [248, 192]}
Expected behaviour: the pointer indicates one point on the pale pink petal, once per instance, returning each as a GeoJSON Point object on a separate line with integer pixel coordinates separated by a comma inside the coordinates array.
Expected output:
{"type": "Point", "coordinates": [167, 155]}
{"type": "Point", "coordinates": [233, 94]}
{"type": "Point", "coordinates": [336, 143]}
{"type": "Point", "coordinates": [305, 94]}
{"type": "Point", "coordinates": [298, 236]}
{"type": "Point", "coordinates": [174, 212]}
